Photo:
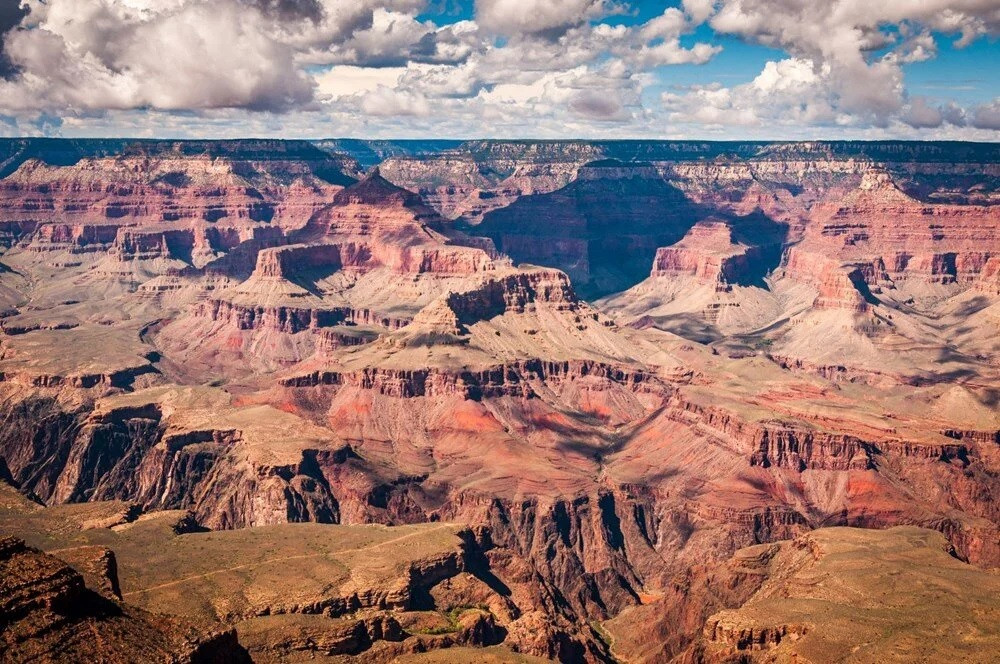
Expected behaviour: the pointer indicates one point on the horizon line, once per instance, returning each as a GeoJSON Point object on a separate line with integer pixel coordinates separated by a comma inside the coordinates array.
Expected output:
{"type": "Point", "coordinates": [524, 139]}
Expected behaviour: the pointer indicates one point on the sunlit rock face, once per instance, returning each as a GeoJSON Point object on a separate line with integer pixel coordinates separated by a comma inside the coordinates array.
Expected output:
{"type": "Point", "coordinates": [496, 397]}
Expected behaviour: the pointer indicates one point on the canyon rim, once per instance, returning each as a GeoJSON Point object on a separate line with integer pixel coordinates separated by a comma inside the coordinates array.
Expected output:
{"type": "Point", "coordinates": [607, 377]}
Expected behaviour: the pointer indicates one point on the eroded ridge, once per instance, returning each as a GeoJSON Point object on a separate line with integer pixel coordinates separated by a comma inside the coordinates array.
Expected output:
{"type": "Point", "coordinates": [503, 400]}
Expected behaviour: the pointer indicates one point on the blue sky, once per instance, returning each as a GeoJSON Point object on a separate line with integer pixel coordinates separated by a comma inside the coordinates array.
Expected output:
{"type": "Point", "coordinates": [977, 66]}
{"type": "Point", "coordinates": [968, 75]}
{"type": "Point", "coordinates": [793, 69]}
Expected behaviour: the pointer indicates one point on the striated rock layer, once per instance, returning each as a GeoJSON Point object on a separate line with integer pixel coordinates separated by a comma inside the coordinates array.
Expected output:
{"type": "Point", "coordinates": [485, 459]}
{"type": "Point", "coordinates": [821, 597]}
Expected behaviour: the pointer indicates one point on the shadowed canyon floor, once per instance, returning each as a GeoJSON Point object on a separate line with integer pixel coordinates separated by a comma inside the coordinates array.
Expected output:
{"type": "Point", "coordinates": [261, 402]}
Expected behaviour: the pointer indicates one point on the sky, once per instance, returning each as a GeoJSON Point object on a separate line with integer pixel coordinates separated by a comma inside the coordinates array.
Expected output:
{"type": "Point", "coordinates": [690, 69]}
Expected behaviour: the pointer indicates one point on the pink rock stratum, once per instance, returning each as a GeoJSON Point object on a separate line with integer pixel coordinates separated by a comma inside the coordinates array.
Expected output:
{"type": "Point", "coordinates": [500, 401]}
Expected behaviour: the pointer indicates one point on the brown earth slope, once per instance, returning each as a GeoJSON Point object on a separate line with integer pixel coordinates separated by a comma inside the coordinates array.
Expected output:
{"type": "Point", "coordinates": [833, 595]}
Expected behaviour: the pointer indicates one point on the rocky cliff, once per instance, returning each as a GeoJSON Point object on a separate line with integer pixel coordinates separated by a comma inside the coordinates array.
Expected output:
{"type": "Point", "coordinates": [599, 228]}
{"type": "Point", "coordinates": [49, 614]}
{"type": "Point", "coordinates": [483, 457]}
{"type": "Point", "coordinates": [892, 237]}
{"type": "Point", "coordinates": [758, 606]}
{"type": "Point", "coordinates": [708, 253]}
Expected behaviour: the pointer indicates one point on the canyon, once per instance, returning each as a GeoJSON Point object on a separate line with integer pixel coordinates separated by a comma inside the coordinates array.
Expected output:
{"type": "Point", "coordinates": [510, 401]}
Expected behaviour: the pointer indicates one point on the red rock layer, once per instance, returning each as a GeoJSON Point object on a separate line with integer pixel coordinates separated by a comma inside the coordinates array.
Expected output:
{"type": "Point", "coordinates": [513, 379]}
{"type": "Point", "coordinates": [513, 293]}
{"type": "Point", "coordinates": [708, 253]}
{"type": "Point", "coordinates": [289, 261]}
{"type": "Point", "coordinates": [989, 278]}
{"type": "Point", "coordinates": [838, 286]}
{"type": "Point", "coordinates": [290, 319]}
{"type": "Point", "coordinates": [890, 236]}
{"type": "Point", "coordinates": [133, 190]}
{"type": "Point", "coordinates": [598, 228]}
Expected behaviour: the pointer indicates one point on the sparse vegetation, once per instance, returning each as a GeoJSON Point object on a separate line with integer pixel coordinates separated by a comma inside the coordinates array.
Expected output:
{"type": "Point", "coordinates": [452, 616]}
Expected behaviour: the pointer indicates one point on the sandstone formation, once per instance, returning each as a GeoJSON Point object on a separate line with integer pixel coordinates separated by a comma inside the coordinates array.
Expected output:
{"type": "Point", "coordinates": [603, 228]}
{"type": "Point", "coordinates": [383, 424]}
{"type": "Point", "coordinates": [711, 282]}
{"type": "Point", "coordinates": [821, 597]}
{"type": "Point", "coordinates": [473, 178]}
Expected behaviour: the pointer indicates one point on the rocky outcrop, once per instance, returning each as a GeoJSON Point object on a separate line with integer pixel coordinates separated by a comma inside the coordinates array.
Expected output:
{"type": "Point", "coordinates": [110, 379]}
{"type": "Point", "coordinates": [294, 260]}
{"type": "Point", "coordinates": [751, 638]}
{"type": "Point", "coordinates": [146, 245]}
{"type": "Point", "coordinates": [709, 254]}
{"type": "Point", "coordinates": [33, 581]}
{"type": "Point", "coordinates": [838, 286]}
{"type": "Point", "coordinates": [284, 636]}
{"type": "Point", "coordinates": [291, 319]}
{"type": "Point", "coordinates": [373, 207]}
{"type": "Point", "coordinates": [74, 238]}
{"type": "Point", "coordinates": [98, 566]}
{"type": "Point", "coordinates": [289, 261]}
{"type": "Point", "coordinates": [899, 237]}
{"type": "Point", "coordinates": [598, 228]}
{"type": "Point", "coordinates": [155, 182]}
{"type": "Point", "coordinates": [135, 452]}
{"type": "Point", "coordinates": [791, 445]}
{"type": "Point", "coordinates": [493, 382]}
{"type": "Point", "coordinates": [376, 224]}
{"type": "Point", "coordinates": [239, 260]}
{"type": "Point", "coordinates": [512, 292]}
{"type": "Point", "coordinates": [989, 277]}
{"type": "Point", "coordinates": [477, 177]}
{"type": "Point", "coordinates": [195, 246]}
{"type": "Point", "coordinates": [48, 614]}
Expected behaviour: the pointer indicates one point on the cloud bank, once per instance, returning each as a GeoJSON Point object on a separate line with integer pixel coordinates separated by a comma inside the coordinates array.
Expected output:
{"type": "Point", "coordinates": [515, 67]}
